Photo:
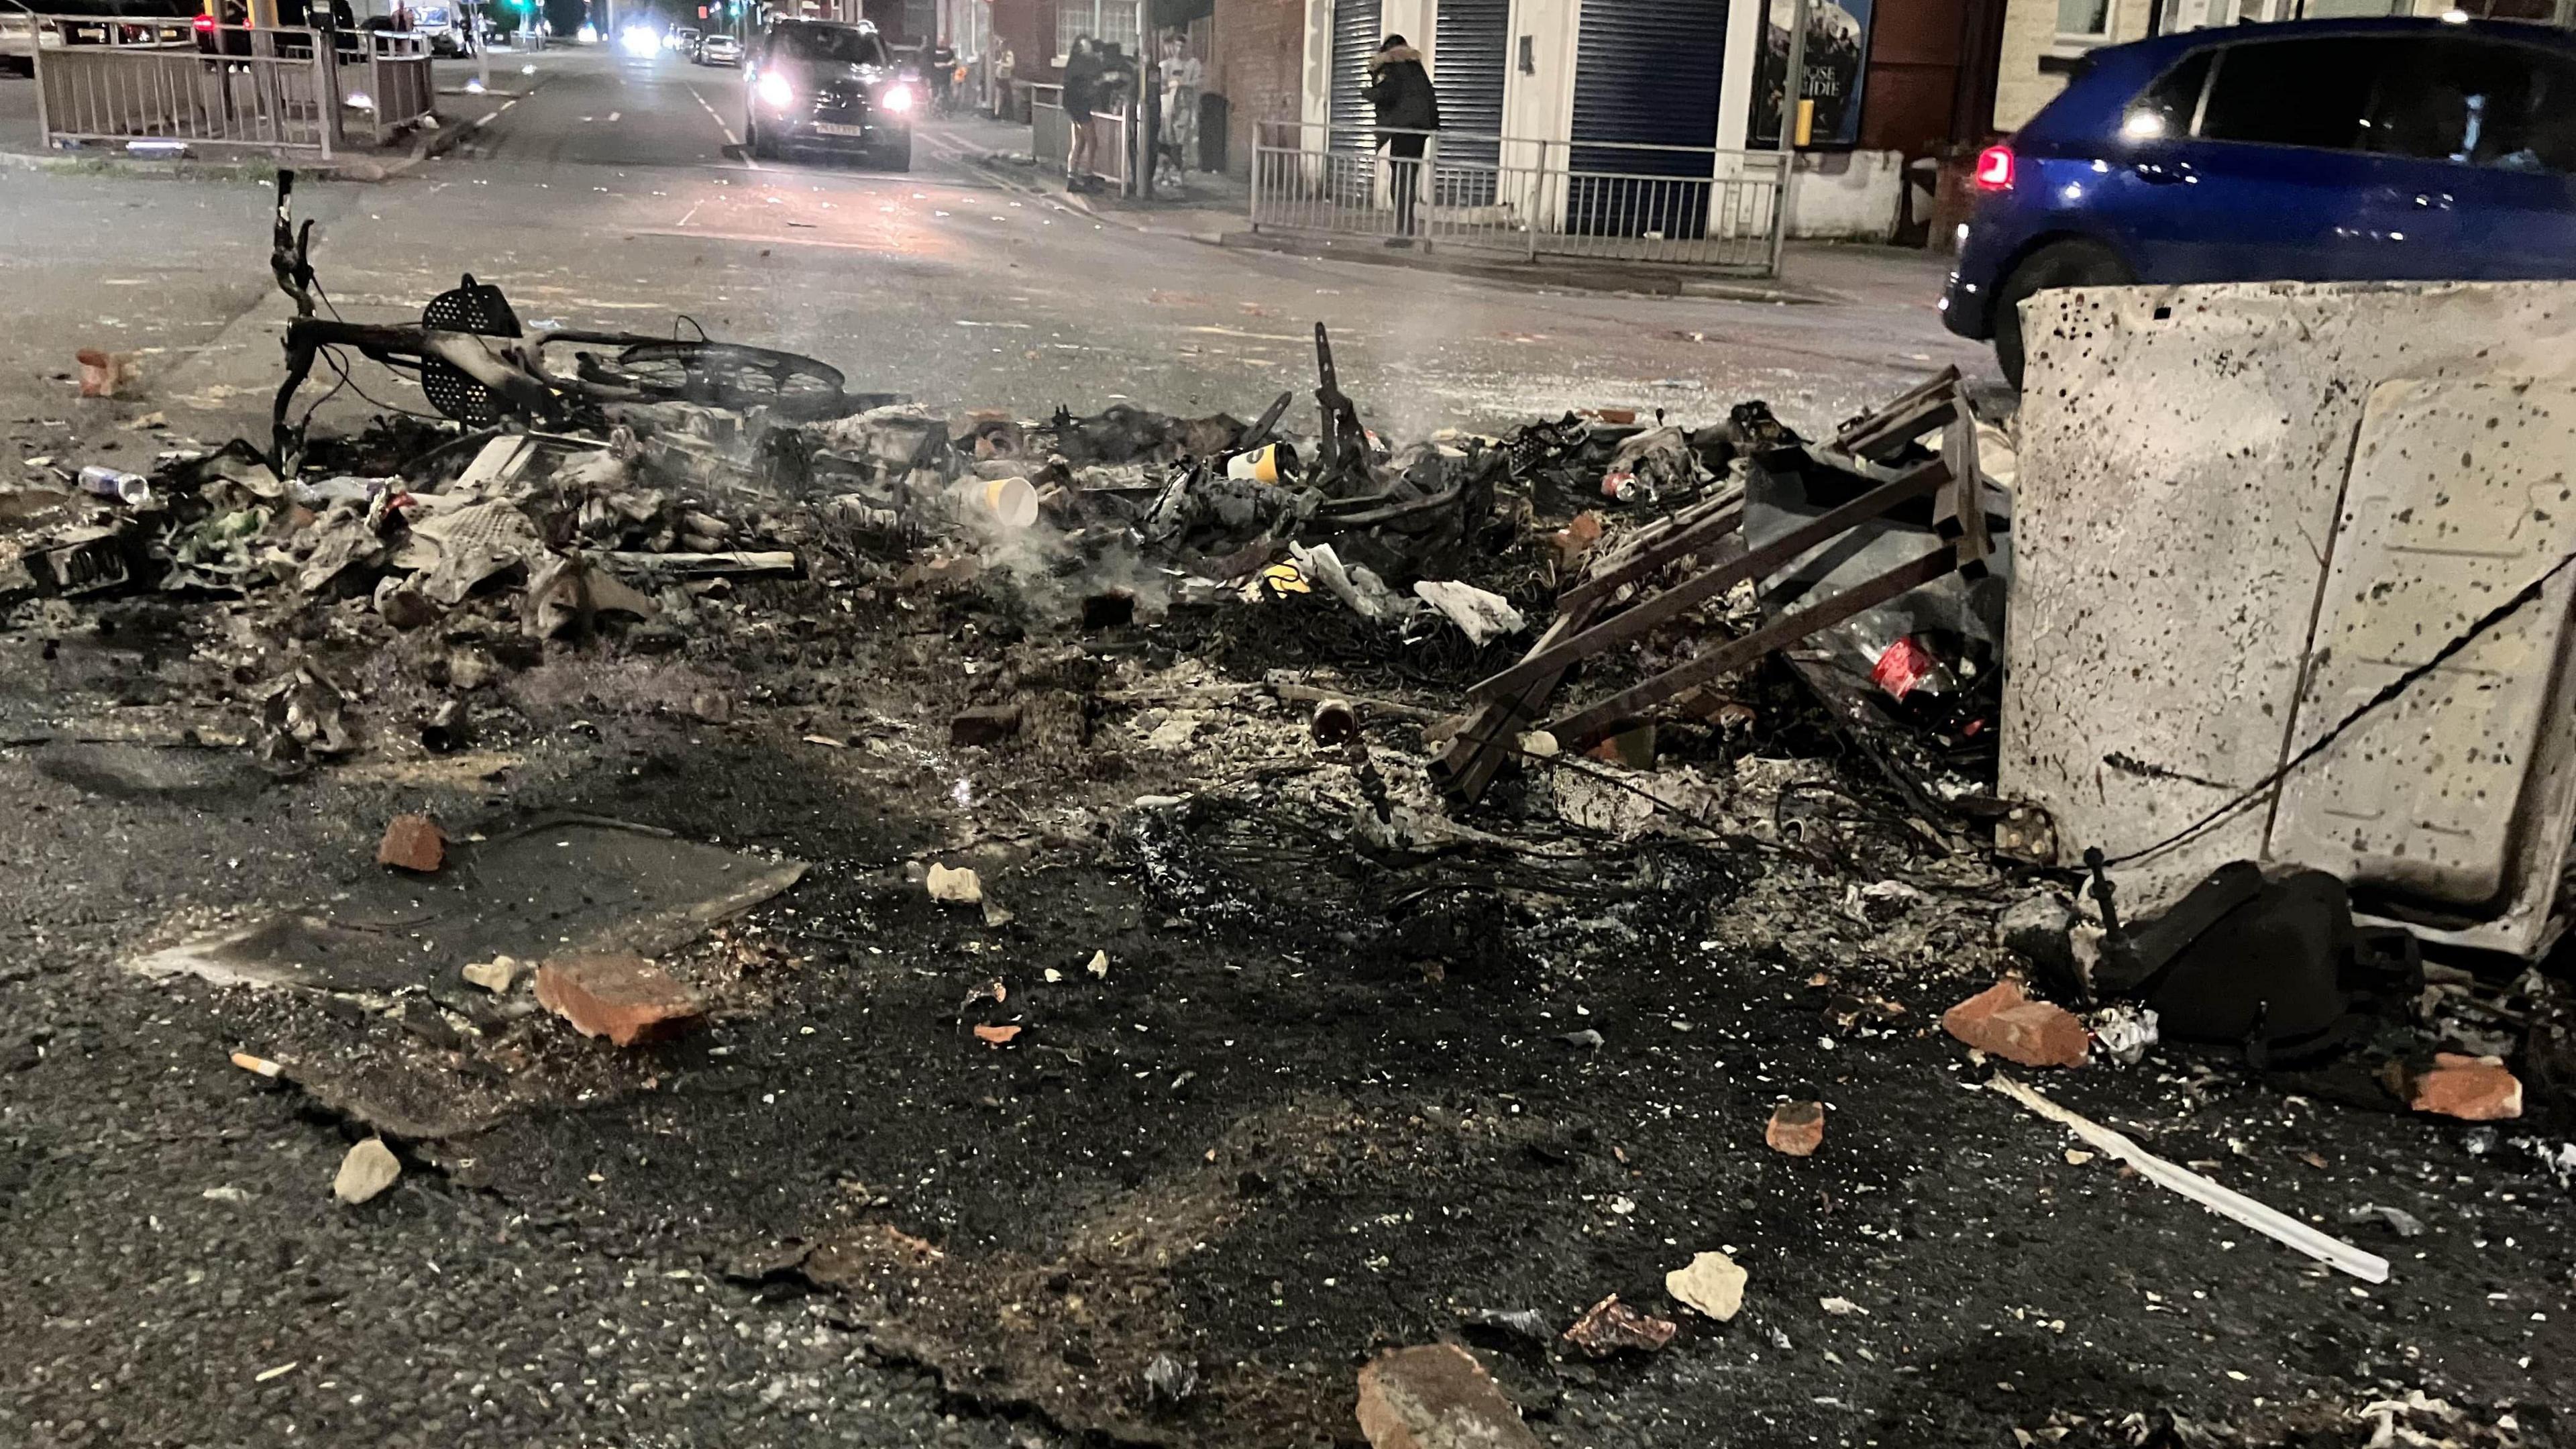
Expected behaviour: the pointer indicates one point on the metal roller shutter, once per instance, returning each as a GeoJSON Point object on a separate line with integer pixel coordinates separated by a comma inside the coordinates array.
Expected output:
{"type": "Point", "coordinates": [1470, 46]}
{"type": "Point", "coordinates": [1354, 120]}
{"type": "Point", "coordinates": [1645, 71]}
{"type": "Point", "coordinates": [1355, 35]}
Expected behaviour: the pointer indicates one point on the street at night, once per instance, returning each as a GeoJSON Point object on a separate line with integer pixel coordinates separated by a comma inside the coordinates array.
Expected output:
{"type": "Point", "coordinates": [1009, 811]}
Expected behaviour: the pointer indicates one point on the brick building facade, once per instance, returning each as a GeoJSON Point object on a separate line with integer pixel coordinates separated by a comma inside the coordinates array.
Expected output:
{"type": "Point", "coordinates": [1258, 65]}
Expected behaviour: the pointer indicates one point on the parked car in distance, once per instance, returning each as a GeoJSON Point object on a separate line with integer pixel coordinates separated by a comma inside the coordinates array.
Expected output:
{"type": "Point", "coordinates": [27, 26]}
{"type": "Point", "coordinates": [19, 38]}
{"type": "Point", "coordinates": [828, 86]}
{"type": "Point", "coordinates": [683, 38]}
{"type": "Point", "coordinates": [2326, 150]}
{"type": "Point", "coordinates": [720, 49]}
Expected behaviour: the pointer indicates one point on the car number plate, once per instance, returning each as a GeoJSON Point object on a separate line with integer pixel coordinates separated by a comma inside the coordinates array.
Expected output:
{"type": "Point", "coordinates": [827, 128]}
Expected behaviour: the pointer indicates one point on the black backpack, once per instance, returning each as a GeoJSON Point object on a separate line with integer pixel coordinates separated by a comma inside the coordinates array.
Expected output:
{"type": "Point", "coordinates": [2272, 962]}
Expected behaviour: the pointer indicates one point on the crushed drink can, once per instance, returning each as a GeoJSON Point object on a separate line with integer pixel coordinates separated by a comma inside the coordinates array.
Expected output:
{"type": "Point", "coordinates": [2123, 1032]}
{"type": "Point", "coordinates": [131, 489]}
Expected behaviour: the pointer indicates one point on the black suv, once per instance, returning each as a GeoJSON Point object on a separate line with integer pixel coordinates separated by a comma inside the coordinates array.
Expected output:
{"type": "Point", "coordinates": [818, 85]}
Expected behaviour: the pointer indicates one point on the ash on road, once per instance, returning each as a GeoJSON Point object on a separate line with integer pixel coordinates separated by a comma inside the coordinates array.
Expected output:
{"type": "Point", "coordinates": [1250, 1102]}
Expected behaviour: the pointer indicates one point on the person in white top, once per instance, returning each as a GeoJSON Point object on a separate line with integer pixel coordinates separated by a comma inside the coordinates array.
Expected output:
{"type": "Point", "coordinates": [1181, 77]}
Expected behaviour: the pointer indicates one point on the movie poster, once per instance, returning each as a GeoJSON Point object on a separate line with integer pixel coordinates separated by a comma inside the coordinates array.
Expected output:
{"type": "Point", "coordinates": [1837, 55]}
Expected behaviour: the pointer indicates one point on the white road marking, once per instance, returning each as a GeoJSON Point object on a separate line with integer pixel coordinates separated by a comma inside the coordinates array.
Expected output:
{"type": "Point", "coordinates": [692, 211]}
{"type": "Point", "coordinates": [730, 138]}
{"type": "Point", "coordinates": [613, 115]}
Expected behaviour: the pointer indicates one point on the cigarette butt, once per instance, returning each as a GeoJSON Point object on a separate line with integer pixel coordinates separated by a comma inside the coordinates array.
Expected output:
{"type": "Point", "coordinates": [261, 1065]}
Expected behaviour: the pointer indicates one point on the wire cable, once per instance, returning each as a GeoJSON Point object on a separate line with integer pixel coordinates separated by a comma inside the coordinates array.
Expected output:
{"type": "Point", "coordinates": [332, 356]}
{"type": "Point", "coordinates": [306, 422]}
{"type": "Point", "coordinates": [2386, 693]}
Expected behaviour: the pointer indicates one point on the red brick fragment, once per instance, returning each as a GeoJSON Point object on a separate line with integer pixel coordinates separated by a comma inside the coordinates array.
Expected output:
{"type": "Point", "coordinates": [626, 999]}
{"type": "Point", "coordinates": [412, 842]}
{"type": "Point", "coordinates": [1797, 1128]}
{"type": "Point", "coordinates": [2477, 1089]}
{"type": "Point", "coordinates": [2003, 1022]}
{"type": "Point", "coordinates": [1609, 1326]}
{"type": "Point", "coordinates": [1437, 1396]}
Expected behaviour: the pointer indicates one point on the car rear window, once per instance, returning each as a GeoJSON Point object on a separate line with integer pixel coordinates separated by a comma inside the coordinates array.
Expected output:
{"type": "Point", "coordinates": [2294, 92]}
{"type": "Point", "coordinates": [2166, 107]}
{"type": "Point", "coordinates": [844, 44]}
{"type": "Point", "coordinates": [2478, 102]}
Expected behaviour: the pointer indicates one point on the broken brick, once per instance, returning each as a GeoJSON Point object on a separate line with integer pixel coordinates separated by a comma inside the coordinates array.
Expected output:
{"type": "Point", "coordinates": [1610, 1326]}
{"type": "Point", "coordinates": [959, 887]}
{"type": "Point", "coordinates": [1713, 1283]}
{"type": "Point", "coordinates": [2003, 1022]}
{"type": "Point", "coordinates": [367, 1171]}
{"type": "Point", "coordinates": [412, 842]}
{"type": "Point", "coordinates": [1797, 1128]}
{"type": "Point", "coordinates": [1576, 539]}
{"type": "Point", "coordinates": [985, 725]}
{"type": "Point", "coordinates": [626, 999]}
{"type": "Point", "coordinates": [2477, 1089]}
{"type": "Point", "coordinates": [1437, 1396]}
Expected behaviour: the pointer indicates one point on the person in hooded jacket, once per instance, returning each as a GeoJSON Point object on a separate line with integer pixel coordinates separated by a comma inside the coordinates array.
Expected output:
{"type": "Point", "coordinates": [1400, 90]}
{"type": "Point", "coordinates": [1082, 83]}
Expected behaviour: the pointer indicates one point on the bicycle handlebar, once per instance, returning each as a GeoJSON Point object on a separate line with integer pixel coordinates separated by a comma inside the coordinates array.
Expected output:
{"type": "Point", "coordinates": [290, 257]}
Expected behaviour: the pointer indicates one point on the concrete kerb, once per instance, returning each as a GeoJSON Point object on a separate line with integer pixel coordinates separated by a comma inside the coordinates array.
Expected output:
{"type": "Point", "coordinates": [1580, 276]}
{"type": "Point", "coordinates": [1557, 273]}
{"type": "Point", "coordinates": [107, 163]}
{"type": "Point", "coordinates": [1074, 201]}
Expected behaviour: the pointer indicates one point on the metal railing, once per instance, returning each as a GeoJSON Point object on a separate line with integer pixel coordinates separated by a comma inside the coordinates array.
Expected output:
{"type": "Point", "coordinates": [1051, 135]}
{"type": "Point", "coordinates": [275, 90]}
{"type": "Point", "coordinates": [400, 89]}
{"type": "Point", "coordinates": [1691, 206]}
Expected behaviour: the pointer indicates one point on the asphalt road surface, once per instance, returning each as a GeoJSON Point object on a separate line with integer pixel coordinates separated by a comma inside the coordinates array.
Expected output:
{"type": "Point", "coordinates": [613, 192]}
{"type": "Point", "coordinates": [173, 1271]}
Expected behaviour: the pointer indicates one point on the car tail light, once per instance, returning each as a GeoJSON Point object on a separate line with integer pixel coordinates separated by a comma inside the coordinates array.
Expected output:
{"type": "Point", "coordinates": [1995, 169]}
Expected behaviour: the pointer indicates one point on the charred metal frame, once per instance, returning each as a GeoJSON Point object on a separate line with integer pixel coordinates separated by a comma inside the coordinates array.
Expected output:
{"type": "Point", "coordinates": [1591, 619]}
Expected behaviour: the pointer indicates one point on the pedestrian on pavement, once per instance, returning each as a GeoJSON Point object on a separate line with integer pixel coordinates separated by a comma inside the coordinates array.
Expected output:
{"type": "Point", "coordinates": [942, 67]}
{"type": "Point", "coordinates": [1407, 110]}
{"type": "Point", "coordinates": [1082, 82]}
{"type": "Point", "coordinates": [1181, 77]}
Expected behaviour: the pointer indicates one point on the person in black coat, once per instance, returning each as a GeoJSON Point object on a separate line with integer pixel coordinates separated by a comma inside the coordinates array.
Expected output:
{"type": "Point", "coordinates": [1400, 90]}
{"type": "Point", "coordinates": [1083, 77]}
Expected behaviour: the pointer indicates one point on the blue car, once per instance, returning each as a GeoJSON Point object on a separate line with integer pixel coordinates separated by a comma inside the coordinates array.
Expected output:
{"type": "Point", "coordinates": [2352, 150]}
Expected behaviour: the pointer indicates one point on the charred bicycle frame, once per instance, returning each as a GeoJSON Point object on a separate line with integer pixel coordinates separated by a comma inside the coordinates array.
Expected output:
{"type": "Point", "coordinates": [479, 366]}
